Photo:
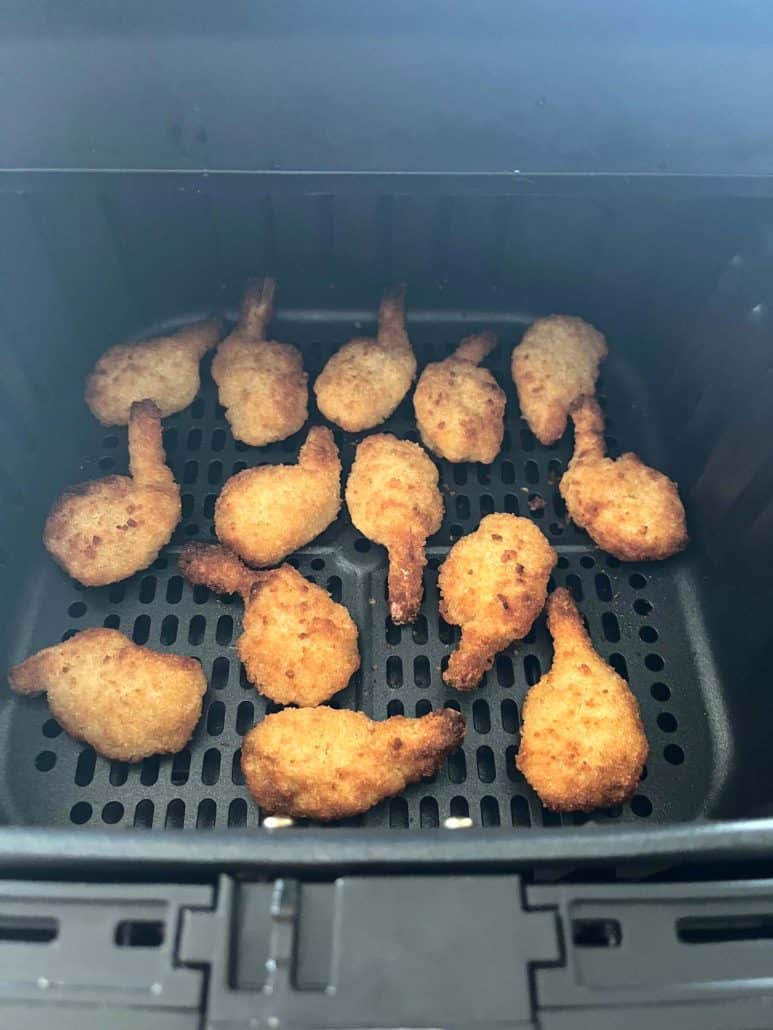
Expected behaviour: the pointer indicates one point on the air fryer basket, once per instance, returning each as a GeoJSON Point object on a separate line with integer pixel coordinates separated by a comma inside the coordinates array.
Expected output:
{"type": "Point", "coordinates": [84, 268]}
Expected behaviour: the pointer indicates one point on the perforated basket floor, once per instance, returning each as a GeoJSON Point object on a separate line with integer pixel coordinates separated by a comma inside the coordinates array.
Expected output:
{"type": "Point", "coordinates": [643, 619]}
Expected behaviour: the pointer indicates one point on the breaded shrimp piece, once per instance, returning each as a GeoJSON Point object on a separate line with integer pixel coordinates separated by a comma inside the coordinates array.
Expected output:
{"type": "Point", "coordinates": [266, 513]}
{"type": "Point", "coordinates": [261, 383]}
{"type": "Point", "coordinates": [459, 407]}
{"type": "Point", "coordinates": [126, 701]}
{"type": "Point", "coordinates": [103, 531]}
{"type": "Point", "coordinates": [298, 646]}
{"type": "Point", "coordinates": [555, 364]}
{"type": "Point", "coordinates": [582, 741]}
{"type": "Point", "coordinates": [364, 381]}
{"type": "Point", "coordinates": [322, 763]}
{"type": "Point", "coordinates": [393, 499]}
{"type": "Point", "coordinates": [493, 584]}
{"type": "Point", "coordinates": [631, 510]}
{"type": "Point", "coordinates": [164, 369]}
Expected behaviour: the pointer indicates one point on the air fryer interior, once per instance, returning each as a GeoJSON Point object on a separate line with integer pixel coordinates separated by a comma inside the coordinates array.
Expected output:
{"type": "Point", "coordinates": [679, 288]}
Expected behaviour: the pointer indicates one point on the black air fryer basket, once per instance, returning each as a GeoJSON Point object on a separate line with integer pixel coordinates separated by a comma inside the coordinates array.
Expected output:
{"type": "Point", "coordinates": [505, 165]}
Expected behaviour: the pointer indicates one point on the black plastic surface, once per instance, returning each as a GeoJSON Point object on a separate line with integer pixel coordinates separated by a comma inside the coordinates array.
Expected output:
{"type": "Point", "coordinates": [109, 959]}
{"type": "Point", "coordinates": [387, 951]}
{"type": "Point", "coordinates": [507, 88]}
{"type": "Point", "coordinates": [645, 619]}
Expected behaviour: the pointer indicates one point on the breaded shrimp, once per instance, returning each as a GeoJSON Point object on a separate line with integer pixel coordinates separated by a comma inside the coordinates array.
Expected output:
{"type": "Point", "coordinates": [555, 364]}
{"type": "Point", "coordinates": [126, 701]}
{"type": "Point", "coordinates": [582, 742]}
{"type": "Point", "coordinates": [266, 513]}
{"type": "Point", "coordinates": [105, 530]}
{"type": "Point", "coordinates": [459, 407]}
{"type": "Point", "coordinates": [298, 646]}
{"type": "Point", "coordinates": [261, 383]}
{"type": "Point", "coordinates": [363, 382]}
{"type": "Point", "coordinates": [631, 510]}
{"type": "Point", "coordinates": [164, 369]}
{"type": "Point", "coordinates": [321, 763]}
{"type": "Point", "coordinates": [393, 499]}
{"type": "Point", "coordinates": [493, 584]}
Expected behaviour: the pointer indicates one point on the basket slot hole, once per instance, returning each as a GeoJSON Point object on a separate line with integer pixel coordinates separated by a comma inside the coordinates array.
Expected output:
{"type": "Point", "coordinates": [485, 762]}
{"type": "Point", "coordinates": [206, 814]}
{"type": "Point", "coordinates": [237, 775]}
{"type": "Point", "coordinates": [395, 707]}
{"type": "Point", "coordinates": [216, 718]}
{"type": "Point", "coordinates": [237, 813]}
{"type": "Point", "coordinates": [181, 768]}
{"type": "Point", "coordinates": [175, 815]}
{"type": "Point", "coordinates": [603, 587]}
{"type": "Point", "coordinates": [398, 813]}
{"type": "Point", "coordinates": [509, 711]}
{"type": "Point", "coordinates": [429, 817]}
{"type": "Point", "coordinates": [419, 630]}
{"type": "Point", "coordinates": [574, 586]}
{"type": "Point", "coordinates": [84, 770]}
{"type": "Point", "coordinates": [481, 719]}
{"type": "Point", "coordinates": [619, 664]}
{"type": "Point", "coordinates": [423, 707]}
{"type": "Point", "coordinates": [174, 590]}
{"type": "Point", "coordinates": [119, 773]}
{"type": "Point", "coordinates": [169, 627]}
{"type": "Point", "coordinates": [225, 630]}
{"type": "Point", "coordinates": [459, 809]}
{"type": "Point", "coordinates": [245, 717]}
{"type": "Point", "coordinates": [504, 670]}
{"type": "Point", "coordinates": [150, 769]}
{"type": "Point", "coordinates": [196, 628]}
{"type": "Point", "coordinates": [210, 767]}
{"type": "Point", "coordinates": [611, 627]}
{"type": "Point", "coordinates": [421, 672]}
{"type": "Point", "coordinates": [489, 811]}
{"type": "Point", "coordinates": [143, 814]}
{"type": "Point", "coordinates": [394, 671]}
{"type": "Point", "coordinates": [457, 767]}
{"type": "Point", "coordinates": [141, 630]}
{"type": "Point", "coordinates": [393, 633]}
{"type": "Point", "coordinates": [532, 669]}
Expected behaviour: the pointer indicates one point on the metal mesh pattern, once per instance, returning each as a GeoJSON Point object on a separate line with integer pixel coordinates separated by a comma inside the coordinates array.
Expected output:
{"type": "Point", "coordinates": [636, 616]}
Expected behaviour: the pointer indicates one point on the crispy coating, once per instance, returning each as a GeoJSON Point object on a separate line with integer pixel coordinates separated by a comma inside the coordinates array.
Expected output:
{"type": "Point", "coordinates": [298, 646]}
{"type": "Point", "coordinates": [631, 510]}
{"type": "Point", "coordinates": [582, 741]}
{"type": "Point", "coordinates": [555, 364]}
{"type": "Point", "coordinates": [493, 584]}
{"type": "Point", "coordinates": [261, 383]}
{"type": "Point", "coordinates": [103, 531]}
{"type": "Point", "coordinates": [364, 381]}
{"type": "Point", "coordinates": [126, 701]}
{"type": "Point", "coordinates": [459, 407]}
{"type": "Point", "coordinates": [266, 513]}
{"type": "Point", "coordinates": [320, 763]}
{"type": "Point", "coordinates": [164, 369]}
{"type": "Point", "coordinates": [393, 499]}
